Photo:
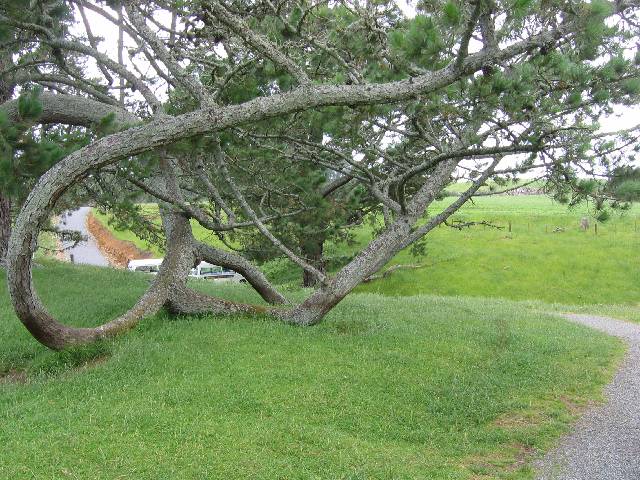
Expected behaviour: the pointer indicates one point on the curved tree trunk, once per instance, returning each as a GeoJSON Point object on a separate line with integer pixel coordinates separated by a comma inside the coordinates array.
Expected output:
{"type": "Point", "coordinates": [181, 248]}
{"type": "Point", "coordinates": [167, 130]}
{"type": "Point", "coordinates": [375, 255]}
{"type": "Point", "coordinates": [182, 299]}
{"type": "Point", "coordinates": [185, 301]}
{"type": "Point", "coordinates": [367, 262]}
{"type": "Point", "coordinates": [6, 91]}
{"type": "Point", "coordinates": [179, 259]}
{"type": "Point", "coordinates": [48, 331]}
{"type": "Point", "coordinates": [241, 265]}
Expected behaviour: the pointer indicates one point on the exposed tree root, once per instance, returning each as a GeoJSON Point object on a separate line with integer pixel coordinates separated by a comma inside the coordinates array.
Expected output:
{"type": "Point", "coordinates": [241, 265]}
{"type": "Point", "coordinates": [186, 301]}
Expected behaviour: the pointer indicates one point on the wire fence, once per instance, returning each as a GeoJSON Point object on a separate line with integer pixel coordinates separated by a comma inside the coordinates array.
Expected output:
{"type": "Point", "coordinates": [629, 225]}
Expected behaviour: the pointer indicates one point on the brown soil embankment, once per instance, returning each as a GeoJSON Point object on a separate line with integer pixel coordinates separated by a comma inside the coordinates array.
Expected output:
{"type": "Point", "coordinates": [117, 251]}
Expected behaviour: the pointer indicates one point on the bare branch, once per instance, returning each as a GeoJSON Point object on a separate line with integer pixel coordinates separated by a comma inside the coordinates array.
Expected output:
{"type": "Point", "coordinates": [257, 41]}
{"type": "Point", "coordinates": [191, 84]}
{"type": "Point", "coordinates": [260, 225]}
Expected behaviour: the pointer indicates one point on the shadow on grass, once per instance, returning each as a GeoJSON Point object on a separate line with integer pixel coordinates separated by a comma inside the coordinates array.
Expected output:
{"type": "Point", "coordinates": [53, 365]}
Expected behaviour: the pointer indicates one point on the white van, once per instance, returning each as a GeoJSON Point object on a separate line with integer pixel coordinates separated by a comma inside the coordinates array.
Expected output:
{"type": "Point", "coordinates": [208, 271]}
{"type": "Point", "coordinates": [204, 270]}
{"type": "Point", "coordinates": [149, 265]}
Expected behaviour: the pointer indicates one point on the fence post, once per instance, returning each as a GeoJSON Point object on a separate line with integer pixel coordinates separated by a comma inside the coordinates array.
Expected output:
{"type": "Point", "coordinates": [596, 226]}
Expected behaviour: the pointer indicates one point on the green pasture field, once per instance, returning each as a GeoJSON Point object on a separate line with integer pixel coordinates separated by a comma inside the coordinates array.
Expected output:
{"type": "Point", "coordinates": [539, 253]}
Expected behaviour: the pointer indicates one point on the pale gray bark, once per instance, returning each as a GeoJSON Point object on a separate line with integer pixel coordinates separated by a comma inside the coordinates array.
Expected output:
{"type": "Point", "coordinates": [164, 54]}
{"type": "Point", "coordinates": [201, 251]}
{"type": "Point", "coordinates": [166, 130]}
{"type": "Point", "coordinates": [256, 41]}
{"type": "Point", "coordinates": [170, 284]}
{"type": "Point", "coordinates": [241, 265]}
{"type": "Point", "coordinates": [93, 42]}
{"type": "Point", "coordinates": [186, 301]}
{"type": "Point", "coordinates": [120, 53]}
{"type": "Point", "coordinates": [367, 262]}
{"type": "Point", "coordinates": [371, 259]}
{"type": "Point", "coordinates": [72, 110]}
{"type": "Point", "coordinates": [50, 332]}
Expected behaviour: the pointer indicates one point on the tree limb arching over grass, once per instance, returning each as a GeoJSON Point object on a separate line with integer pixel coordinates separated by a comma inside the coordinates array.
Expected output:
{"type": "Point", "coordinates": [470, 113]}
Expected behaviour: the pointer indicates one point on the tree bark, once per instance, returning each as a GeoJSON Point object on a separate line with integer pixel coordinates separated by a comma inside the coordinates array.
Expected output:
{"type": "Point", "coordinates": [78, 165]}
{"type": "Point", "coordinates": [169, 286]}
{"type": "Point", "coordinates": [185, 301]}
{"type": "Point", "coordinates": [72, 110]}
{"type": "Point", "coordinates": [53, 334]}
{"type": "Point", "coordinates": [168, 130]}
{"type": "Point", "coordinates": [374, 256]}
{"type": "Point", "coordinates": [182, 300]}
{"type": "Point", "coordinates": [241, 265]}
{"type": "Point", "coordinates": [313, 249]}
{"type": "Point", "coordinates": [5, 226]}
{"type": "Point", "coordinates": [379, 251]}
{"type": "Point", "coordinates": [6, 91]}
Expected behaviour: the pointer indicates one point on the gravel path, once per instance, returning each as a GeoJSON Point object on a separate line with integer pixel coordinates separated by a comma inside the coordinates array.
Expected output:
{"type": "Point", "coordinates": [605, 443]}
{"type": "Point", "coordinates": [85, 252]}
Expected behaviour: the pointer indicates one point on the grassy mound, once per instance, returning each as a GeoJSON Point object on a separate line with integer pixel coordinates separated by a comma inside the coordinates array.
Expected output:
{"type": "Point", "coordinates": [415, 387]}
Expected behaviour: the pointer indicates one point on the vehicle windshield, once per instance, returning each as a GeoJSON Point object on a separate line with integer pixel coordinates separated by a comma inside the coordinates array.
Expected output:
{"type": "Point", "coordinates": [210, 270]}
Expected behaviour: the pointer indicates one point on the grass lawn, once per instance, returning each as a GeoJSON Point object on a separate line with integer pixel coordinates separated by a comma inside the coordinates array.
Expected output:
{"type": "Point", "coordinates": [532, 262]}
{"type": "Point", "coordinates": [387, 387]}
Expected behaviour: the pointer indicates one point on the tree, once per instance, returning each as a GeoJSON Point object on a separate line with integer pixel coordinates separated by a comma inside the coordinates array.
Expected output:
{"type": "Point", "coordinates": [6, 91]}
{"type": "Point", "coordinates": [624, 184]}
{"type": "Point", "coordinates": [27, 150]}
{"type": "Point", "coordinates": [485, 90]}
{"type": "Point", "coordinates": [329, 205]}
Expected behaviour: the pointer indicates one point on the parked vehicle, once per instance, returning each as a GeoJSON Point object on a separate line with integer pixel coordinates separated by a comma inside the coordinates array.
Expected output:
{"type": "Point", "coordinates": [149, 265]}
{"type": "Point", "coordinates": [208, 271]}
{"type": "Point", "coordinates": [203, 270]}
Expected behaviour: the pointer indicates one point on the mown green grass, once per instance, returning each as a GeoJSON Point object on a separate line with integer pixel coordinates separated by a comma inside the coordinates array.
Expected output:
{"type": "Point", "coordinates": [417, 387]}
{"type": "Point", "coordinates": [532, 262]}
